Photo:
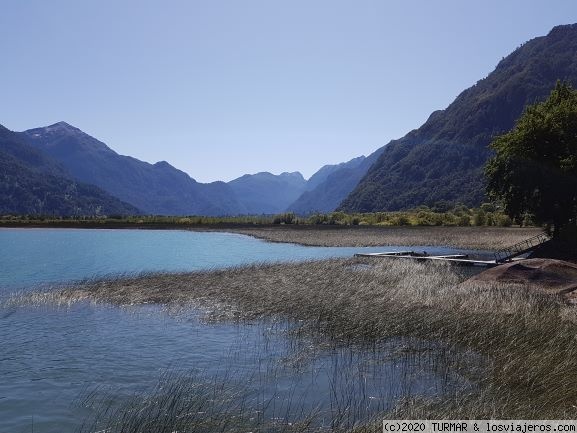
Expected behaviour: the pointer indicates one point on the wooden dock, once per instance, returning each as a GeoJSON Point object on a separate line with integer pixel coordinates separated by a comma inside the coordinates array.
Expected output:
{"type": "Point", "coordinates": [504, 255]}
{"type": "Point", "coordinates": [386, 254]}
{"type": "Point", "coordinates": [509, 253]}
{"type": "Point", "coordinates": [457, 259]}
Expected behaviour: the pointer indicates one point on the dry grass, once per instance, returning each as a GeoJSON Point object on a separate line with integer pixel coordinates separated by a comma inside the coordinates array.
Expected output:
{"type": "Point", "coordinates": [481, 238]}
{"type": "Point", "coordinates": [527, 339]}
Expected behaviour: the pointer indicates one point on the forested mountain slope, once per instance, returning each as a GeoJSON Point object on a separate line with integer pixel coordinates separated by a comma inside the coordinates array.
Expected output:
{"type": "Point", "coordinates": [443, 159]}
{"type": "Point", "coordinates": [32, 183]}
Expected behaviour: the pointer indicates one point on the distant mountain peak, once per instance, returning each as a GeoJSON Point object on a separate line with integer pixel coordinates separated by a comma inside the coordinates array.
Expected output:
{"type": "Point", "coordinates": [158, 189]}
{"type": "Point", "coordinates": [56, 129]}
{"type": "Point", "coordinates": [267, 193]}
{"type": "Point", "coordinates": [293, 174]}
{"type": "Point", "coordinates": [296, 175]}
{"type": "Point", "coordinates": [162, 164]}
{"type": "Point", "coordinates": [64, 136]}
{"type": "Point", "coordinates": [61, 127]}
{"type": "Point", "coordinates": [62, 123]}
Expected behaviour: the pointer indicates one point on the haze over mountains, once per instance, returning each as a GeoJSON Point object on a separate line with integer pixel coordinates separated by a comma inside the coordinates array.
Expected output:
{"type": "Point", "coordinates": [331, 184]}
{"type": "Point", "coordinates": [162, 189]}
{"type": "Point", "coordinates": [59, 169]}
{"type": "Point", "coordinates": [266, 193]}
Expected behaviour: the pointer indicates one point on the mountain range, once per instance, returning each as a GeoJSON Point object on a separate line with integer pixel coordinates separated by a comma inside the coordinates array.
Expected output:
{"type": "Point", "coordinates": [61, 170]}
{"type": "Point", "coordinates": [266, 193]}
{"type": "Point", "coordinates": [161, 189]}
{"type": "Point", "coordinates": [158, 189]}
{"type": "Point", "coordinates": [32, 183]}
{"type": "Point", "coordinates": [442, 161]}
{"type": "Point", "coordinates": [331, 184]}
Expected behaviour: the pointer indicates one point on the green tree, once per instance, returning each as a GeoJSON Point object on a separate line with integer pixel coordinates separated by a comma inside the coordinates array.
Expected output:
{"type": "Point", "coordinates": [534, 169]}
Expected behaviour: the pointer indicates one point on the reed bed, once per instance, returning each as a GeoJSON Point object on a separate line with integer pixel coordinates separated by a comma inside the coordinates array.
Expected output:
{"type": "Point", "coordinates": [526, 339]}
{"type": "Point", "coordinates": [183, 403]}
{"type": "Point", "coordinates": [231, 402]}
{"type": "Point", "coordinates": [478, 238]}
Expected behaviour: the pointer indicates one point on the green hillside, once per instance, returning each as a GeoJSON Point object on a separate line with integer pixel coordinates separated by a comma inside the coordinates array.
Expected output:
{"type": "Point", "coordinates": [442, 161]}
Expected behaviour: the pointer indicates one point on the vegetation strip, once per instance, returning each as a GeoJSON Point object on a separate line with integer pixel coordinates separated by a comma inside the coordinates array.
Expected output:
{"type": "Point", "coordinates": [479, 238]}
{"type": "Point", "coordinates": [487, 215]}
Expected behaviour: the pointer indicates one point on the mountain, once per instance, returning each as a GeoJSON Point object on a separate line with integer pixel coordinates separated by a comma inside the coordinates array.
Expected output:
{"type": "Point", "coordinates": [266, 193]}
{"type": "Point", "coordinates": [33, 183]}
{"type": "Point", "coordinates": [158, 189]}
{"type": "Point", "coordinates": [325, 171]}
{"type": "Point", "coordinates": [327, 188]}
{"type": "Point", "coordinates": [443, 159]}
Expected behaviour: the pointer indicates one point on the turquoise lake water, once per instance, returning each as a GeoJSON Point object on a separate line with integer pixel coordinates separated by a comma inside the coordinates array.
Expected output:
{"type": "Point", "coordinates": [50, 357]}
{"type": "Point", "coordinates": [33, 256]}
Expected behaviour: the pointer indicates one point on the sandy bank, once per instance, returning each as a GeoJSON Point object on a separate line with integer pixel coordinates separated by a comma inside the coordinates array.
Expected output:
{"type": "Point", "coordinates": [551, 276]}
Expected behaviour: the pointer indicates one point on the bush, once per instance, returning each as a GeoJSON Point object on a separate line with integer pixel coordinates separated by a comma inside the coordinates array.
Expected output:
{"type": "Point", "coordinates": [479, 218]}
{"type": "Point", "coordinates": [464, 220]}
{"type": "Point", "coordinates": [285, 218]}
{"type": "Point", "coordinates": [504, 221]}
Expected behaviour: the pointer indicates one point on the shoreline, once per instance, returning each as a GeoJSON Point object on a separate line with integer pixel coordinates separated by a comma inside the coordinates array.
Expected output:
{"type": "Point", "coordinates": [475, 238]}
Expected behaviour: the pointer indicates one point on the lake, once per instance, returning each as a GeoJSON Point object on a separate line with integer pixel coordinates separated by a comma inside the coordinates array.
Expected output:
{"type": "Point", "coordinates": [55, 361]}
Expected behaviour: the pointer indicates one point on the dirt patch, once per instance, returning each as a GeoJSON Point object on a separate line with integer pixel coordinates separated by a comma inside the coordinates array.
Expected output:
{"type": "Point", "coordinates": [556, 277]}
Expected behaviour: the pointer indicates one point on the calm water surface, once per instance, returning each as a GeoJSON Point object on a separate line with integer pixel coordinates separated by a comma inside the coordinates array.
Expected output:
{"type": "Point", "coordinates": [32, 256]}
{"type": "Point", "coordinates": [51, 356]}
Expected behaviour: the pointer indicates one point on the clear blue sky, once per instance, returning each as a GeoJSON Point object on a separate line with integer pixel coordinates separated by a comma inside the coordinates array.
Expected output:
{"type": "Point", "coordinates": [222, 88]}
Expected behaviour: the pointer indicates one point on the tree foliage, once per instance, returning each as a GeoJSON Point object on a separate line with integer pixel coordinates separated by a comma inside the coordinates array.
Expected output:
{"type": "Point", "coordinates": [534, 169]}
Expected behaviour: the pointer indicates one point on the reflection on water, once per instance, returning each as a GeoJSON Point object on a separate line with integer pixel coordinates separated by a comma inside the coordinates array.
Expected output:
{"type": "Point", "coordinates": [57, 363]}
{"type": "Point", "coordinates": [52, 357]}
